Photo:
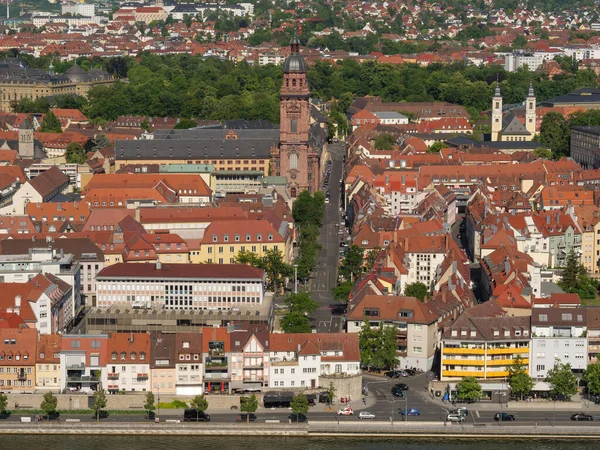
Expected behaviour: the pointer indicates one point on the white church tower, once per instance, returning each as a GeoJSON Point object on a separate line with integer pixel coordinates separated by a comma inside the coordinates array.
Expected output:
{"type": "Point", "coordinates": [530, 112]}
{"type": "Point", "coordinates": [497, 114]}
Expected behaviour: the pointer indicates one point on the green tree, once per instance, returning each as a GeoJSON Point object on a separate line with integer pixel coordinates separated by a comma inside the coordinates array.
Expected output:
{"type": "Point", "coordinates": [99, 402]}
{"type": "Point", "coordinates": [591, 376]}
{"type": "Point", "coordinates": [575, 279]}
{"type": "Point", "coordinates": [416, 289]}
{"type": "Point", "coordinates": [367, 343]}
{"type": "Point", "coordinates": [352, 264]}
{"type": "Point", "coordinates": [331, 390]}
{"type": "Point", "coordinates": [3, 403]}
{"type": "Point", "coordinates": [75, 153]}
{"type": "Point", "coordinates": [50, 124]}
{"type": "Point", "coordinates": [384, 141]}
{"type": "Point", "coordinates": [248, 405]}
{"type": "Point", "coordinates": [468, 389]}
{"type": "Point", "coordinates": [519, 41]}
{"type": "Point", "coordinates": [519, 380]}
{"type": "Point", "coordinates": [555, 133]}
{"type": "Point", "coordinates": [185, 124]}
{"type": "Point", "coordinates": [562, 380]}
{"type": "Point", "coordinates": [49, 404]}
{"type": "Point", "coordinates": [149, 405]}
{"type": "Point", "coordinates": [542, 152]}
{"type": "Point", "coordinates": [377, 346]}
{"type": "Point", "coordinates": [301, 302]}
{"type": "Point", "coordinates": [435, 147]}
{"type": "Point", "coordinates": [100, 142]}
{"type": "Point", "coordinates": [299, 404]}
{"type": "Point", "coordinates": [309, 209]}
{"type": "Point", "coordinates": [271, 262]}
{"type": "Point", "coordinates": [342, 291]}
{"type": "Point", "coordinates": [295, 322]}
{"type": "Point", "coordinates": [199, 403]}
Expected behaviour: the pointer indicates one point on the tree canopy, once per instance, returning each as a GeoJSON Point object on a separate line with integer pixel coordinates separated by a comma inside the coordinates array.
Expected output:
{"type": "Point", "coordinates": [300, 307]}
{"type": "Point", "coordinates": [562, 380]}
{"type": "Point", "coordinates": [591, 376]}
{"type": "Point", "coordinates": [50, 124]}
{"type": "Point", "coordinates": [272, 263]}
{"type": "Point", "coordinates": [75, 153]}
{"type": "Point", "coordinates": [199, 402]}
{"type": "Point", "coordinates": [377, 346]}
{"type": "Point", "coordinates": [248, 405]}
{"type": "Point", "coordinates": [299, 404]}
{"type": "Point", "coordinates": [49, 404]}
{"type": "Point", "coordinates": [352, 264]}
{"type": "Point", "coordinates": [519, 380]}
{"type": "Point", "coordinates": [468, 389]}
{"type": "Point", "coordinates": [416, 289]}
{"type": "Point", "coordinates": [99, 402]}
{"type": "Point", "coordinates": [575, 279]}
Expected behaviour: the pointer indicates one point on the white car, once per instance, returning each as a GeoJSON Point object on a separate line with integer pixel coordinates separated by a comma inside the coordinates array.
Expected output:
{"type": "Point", "coordinates": [345, 412]}
{"type": "Point", "coordinates": [366, 415]}
{"type": "Point", "coordinates": [453, 417]}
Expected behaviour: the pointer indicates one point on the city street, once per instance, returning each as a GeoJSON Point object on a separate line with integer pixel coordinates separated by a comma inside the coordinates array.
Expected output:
{"type": "Point", "coordinates": [324, 277]}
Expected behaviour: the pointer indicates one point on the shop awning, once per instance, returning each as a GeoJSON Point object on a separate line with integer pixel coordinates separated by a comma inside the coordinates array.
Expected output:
{"type": "Point", "coordinates": [541, 386]}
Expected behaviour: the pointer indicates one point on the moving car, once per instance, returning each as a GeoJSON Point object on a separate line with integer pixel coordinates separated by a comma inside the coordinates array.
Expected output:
{"type": "Point", "coordinates": [244, 418]}
{"type": "Point", "coordinates": [366, 415]}
{"type": "Point", "coordinates": [297, 418]}
{"type": "Point", "coordinates": [410, 412]}
{"type": "Point", "coordinates": [402, 386]}
{"type": "Point", "coordinates": [345, 412]}
{"type": "Point", "coordinates": [397, 392]}
{"type": "Point", "coordinates": [462, 411]}
{"type": "Point", "coordinates": [503, 417]}
{"type": "Point", "coordinates": [455, 417]}
{"type": "Point", "coordinates": [193, 415]}
{"type": "Point", "coordinates": [581, 416]}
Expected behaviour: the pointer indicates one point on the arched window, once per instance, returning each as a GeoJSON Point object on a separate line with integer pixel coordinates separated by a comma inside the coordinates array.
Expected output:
{"type": "Point", "coordinates": [132, 356]}
{"type": "Point", "coordinates": [293, 192]}
{"type": "Point", "coordinates": [294, 161]}
{"type": "Point", "coordinates": [113, 356]}
{"type": "Point", "coordinates": [123, 356]}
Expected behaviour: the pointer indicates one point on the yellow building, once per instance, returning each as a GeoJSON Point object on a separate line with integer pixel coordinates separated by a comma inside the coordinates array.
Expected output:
{"type": "Point", "coordinates": [588, 219]}
{"type": "Point", "coordinates": [47, 360]}
{"type": "Point", "coordinates": [484, 347]}
{"type": "Point", "coordinates": [224, 240]}
{"type": "Point", "coordinates": [17, 359]}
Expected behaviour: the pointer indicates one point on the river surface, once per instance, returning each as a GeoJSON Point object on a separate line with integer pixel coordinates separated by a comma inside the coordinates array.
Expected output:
{"type": "Point", "coordinates": [30, 442]}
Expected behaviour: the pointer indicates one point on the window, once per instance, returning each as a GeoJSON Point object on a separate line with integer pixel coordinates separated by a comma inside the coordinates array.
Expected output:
{"type": "Point", "coordinates": [543, 317]}
{"type": "Point", "coordinates": [294, 126]}
{"type": "Point", "coordinates": [123, 356]}
{"type": "Point", "coordinates": [417, 349]}
{"type": "Point", "coordinates": [113, 356]}
{"type": "Point", "coordinates": [541, 367]}
{"type": "Point", "coordinates": [132, 356]}
{"type": "Point", "coordinates": [95, 344]}
{"type": "Point", "coordinates": [75, 344]}
{"type": "Point", "coordinates": [293, 161]}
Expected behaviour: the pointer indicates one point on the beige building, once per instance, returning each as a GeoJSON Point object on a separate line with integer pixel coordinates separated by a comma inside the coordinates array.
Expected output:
{"type": "Point", "coordinates": [588, 219]}
{"type": "Point", "coordinates": [48, 376]}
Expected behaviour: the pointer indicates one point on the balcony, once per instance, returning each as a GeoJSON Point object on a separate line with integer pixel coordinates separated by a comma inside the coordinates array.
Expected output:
{"type": "Point", "coordinates": [253, 366]}
{"type": "Point", "coordinates": [401, 353]}
{"type": "Point", "coordinates": [503, 362]}
{"type": "Point", "coordinates": [215, 364]}
{"type": "Point", "coordinates": [291, 361]}
{"type": "Point", "coordinates": [500, 374]}
{"type": "Point", "coordinates": [462, 362]}
{"type": "Point", "coordinates": [463, 373]}
{"type": "Point", "coordinates": [216, 352]}
{"type": "Point", "coordinates": [401, 333]}
{"type": "Point", "coordinates": [142, 376]}
{"type": "Point", "coordinates": [113, 376]}
{"type": "Point", "coordinates": [83, 379]}
{"type": "Point", "coordinates": [22, 376]}
{"type": "Point", "coordinates": [113, 387]}
{"type": "Point", "coordinates": [216, 376]}
{"type": "Point", "coordinates": [253, 378]}
{"type": "Point", "coordinates": [463, 351]}
{"type": "Point", "coordinates": [506, 350]}
{"type": "Point", "coordinates": [78, 366]}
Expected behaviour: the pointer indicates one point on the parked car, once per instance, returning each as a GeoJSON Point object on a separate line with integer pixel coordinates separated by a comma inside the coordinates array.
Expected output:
{"type": "Point", "coordinates": [504, 417]}
{"type": "Point", "coordinates": [581, 416]}
{"type": "Point", "coordinates": [561, 398]}
{"type": "Point", "coordinates": [297, 418]}
{"type": "Point", "coordinates": [455, 417]}
{"type": "Point", "coordinates": [410, 412]}
{"type": "Point", "coordinates": [244, 418]}
{"type": "Point", "coordinates": [366, 415]}
{"type": "Point", "coordinates": [402, 386]}
{"type": "Point", "coordinates": [397, 392]}
{"type": "Point", "coordinates": [193, 415]}
{"type": "Point", "coordinates": [392, 374]}
{"type": "Point", "coordinates": [345, 412]}
{"type": "Point", "coordinates": [411, 372]}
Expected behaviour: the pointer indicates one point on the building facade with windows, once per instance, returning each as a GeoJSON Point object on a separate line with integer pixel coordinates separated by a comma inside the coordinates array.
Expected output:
{"type": "Point", "coordinates": [17, 359]}
{"type": "Point", "coordinates": [585, 143]}
{"type": "Point", "coordinates": [48, 372]}
{"type": "Point", "coordinates": [83, 360]}
{"type": "Point", "coordinates": [484, 347]}
{"type": "Point", "coordinates": [128, 366]}
{"type": "Point", "coordinates": [162, 365]}
{"type": "Point", "coordinates": [188, 364]}
{"type": "Point", "coordinates": [558, 334]}
{"type": "Point", "coordinates": [181, 286]}
{"type": "Point", "coordinates": [250, 358]}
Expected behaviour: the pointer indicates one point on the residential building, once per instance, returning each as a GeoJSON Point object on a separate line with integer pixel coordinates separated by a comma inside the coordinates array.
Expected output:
{"type": "Point", "coordinates": [416, 324]}
{"type": "Point", "coordinates": [216, 356]}
{"type": "Point", "coordinates": [48, 371]}
{"type": "Point", "coordinates": [162, 365]}
{"type": "Point", "coordinates": [585, 143]}
{"type": "Point", "coordinates": [593, 334]}
{"type": "Point", "coordinates": [128, 366]}
{"type": "Point", "coordinates": [558, 334]}
{"type": "Point", "coordinates": [484, 347]}
{"type": "Point", "coordinates": [17, 359]}
{"type": "Point", "coordinates": [189, 363]}
{"type": "Point", "coordinates": [250, 358]}
{"type": "Point", "coordinates": [83, 360]}
{"type": "Point", "coordinates": [181, 286]}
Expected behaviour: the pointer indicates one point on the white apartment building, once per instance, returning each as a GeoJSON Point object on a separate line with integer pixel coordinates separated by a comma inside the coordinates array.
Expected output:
{"type": "Point", "coordinates": [79, 9]}
{"type": "Point", "coordinates": [558, 334]}
{"type": "Point", "coordinates": [128, 366]}
{"type": "Point", "coordinates": [181, 286]}
{"type": "Point", "coordinates": [533, 60]}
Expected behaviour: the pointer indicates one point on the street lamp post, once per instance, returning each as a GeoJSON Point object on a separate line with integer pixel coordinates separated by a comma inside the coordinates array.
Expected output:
{"type": "Point", "coordinates": [295, 278]}
{"type": "Point", "coordinates": [405, 406]}
{"type": "Point", "coordinates": [158, 397]}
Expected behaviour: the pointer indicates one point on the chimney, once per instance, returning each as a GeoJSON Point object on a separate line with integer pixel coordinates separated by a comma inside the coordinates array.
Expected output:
{"type": "Point", "coordinates": [137, 213]}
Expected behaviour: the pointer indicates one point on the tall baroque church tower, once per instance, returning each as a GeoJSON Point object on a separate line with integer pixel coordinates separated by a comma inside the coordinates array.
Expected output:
{"type": "Point", "coordinates": [295, 158]}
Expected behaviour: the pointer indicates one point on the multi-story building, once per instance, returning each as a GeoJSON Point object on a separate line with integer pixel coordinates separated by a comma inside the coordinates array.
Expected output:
{"type": "Point", "coordinates": [181, 286]}
{"type": "Point", "coordinates": [249, 358]}
{"type": "Point", "coordinates": [83, 360]}
{"type": "Point", "coordinates": [593, 334]}
{"type": "Point", "coordinates": [188, 364]}
{"type": "Point", "coordinates": [224, 240]}
{"type": "Point", "coordinates": [128, 366]}
{"type": "Point", "coordinates": [17, 359]}
{"type": "Point", "coordinates": [585, 142]}
{"type": "Point", "coordinates": [216, 349]}
{"type": "Point", "coordinates": [48, 372]}
{"type": "Point", "coordinates": [303, 360]}
{"type": "Point", "coordinates": [558, 334]}
{"type": "Point", "coordinates": [416, 324]}
{"type": "Point", "coordinates": [162, 364]}
{"type": "Point", "coordinates": [484, 347]}
{"type": "Point", "coordinates": [425, 254]}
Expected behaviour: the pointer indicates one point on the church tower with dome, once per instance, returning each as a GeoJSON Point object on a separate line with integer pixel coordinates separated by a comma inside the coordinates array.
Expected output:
{"type": "Point", "coordinates": [295, 158]}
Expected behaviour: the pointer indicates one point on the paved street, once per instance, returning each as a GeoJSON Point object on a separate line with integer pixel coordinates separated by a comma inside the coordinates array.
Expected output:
{"type": "Point", "coordinates": [324, 276]}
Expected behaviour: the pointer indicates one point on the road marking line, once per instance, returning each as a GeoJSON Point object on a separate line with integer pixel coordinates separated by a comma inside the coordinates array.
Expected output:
{"type": "Point", "coordinates": [478, 416]}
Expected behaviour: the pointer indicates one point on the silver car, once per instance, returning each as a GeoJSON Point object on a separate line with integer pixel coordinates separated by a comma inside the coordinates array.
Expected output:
{"type": "Point", "coordinates": [366, 415]}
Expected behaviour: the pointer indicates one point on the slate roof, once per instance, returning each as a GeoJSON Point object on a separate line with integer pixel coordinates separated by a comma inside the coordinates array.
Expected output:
{"type": "Point", "coordinates": [511, 125]}
{"type": "Point", "coordinates": [49, 181]}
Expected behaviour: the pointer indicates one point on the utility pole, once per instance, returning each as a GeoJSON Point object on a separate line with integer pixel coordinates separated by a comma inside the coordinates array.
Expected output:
{"type": "Point", "coordinates": [295, 278]}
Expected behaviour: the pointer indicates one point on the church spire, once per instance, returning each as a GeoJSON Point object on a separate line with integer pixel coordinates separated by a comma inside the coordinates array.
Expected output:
{"type": "Point", "coordinates": [530, 93]}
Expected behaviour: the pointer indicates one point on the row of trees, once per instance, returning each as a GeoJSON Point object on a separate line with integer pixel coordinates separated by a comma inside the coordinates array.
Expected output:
{"type": "Point", "coordinates": [308, 212]}
{"type": "Point", "coordinates": [300, 307]}
{"type": "Point", "coordinates": [272, 262]}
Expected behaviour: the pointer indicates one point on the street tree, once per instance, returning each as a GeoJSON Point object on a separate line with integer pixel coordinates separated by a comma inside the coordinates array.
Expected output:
{"type": "Point", "coordinates": [248, 405]}
{"type": "Point", "coordinates": [3, 403]}
{"type": "Point", "coordinates": [50, 124]}
{"type": "Point", "coordinates": [271, 262]}
{"type": "Point", "coordinates": [99, 402]}
{"type": "Point", "coordinates": [342, 291]}
{"type": "Point", "coordinates": [299, 405]}
{"type": "Point", "coordinates": [562, 379]}
{"type": "Point", "coordinates": [331, 390]}
{"type": "Point", "coordinates": [149, 405]}
{"type": "Point", "coordinates": [416, 289]}
{"type": "Point", "coordinates": [377, 346]}
{"type": "Point", "coordinates": [591, 376]}
{"type": "Point", "coordinates": [295, 322]}
{"type": "Point", "coordinates": [301, 302]}
{"type": "Point", "coordinates": [469, 389]}
{"type": "Point", "coordinates": [519, 380]}
{"type": "Point", "coordinates": [75, 153]}
{"type": "Point", "coordinates": [49, 404]}
{"type": "Point", "coordinates": [199, 402]}
{"type": "Point", "coordinates": [352, 264]}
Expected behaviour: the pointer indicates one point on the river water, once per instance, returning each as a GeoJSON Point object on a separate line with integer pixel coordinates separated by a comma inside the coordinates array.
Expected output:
{"type": "Point", "coordinates": [30, 442]}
